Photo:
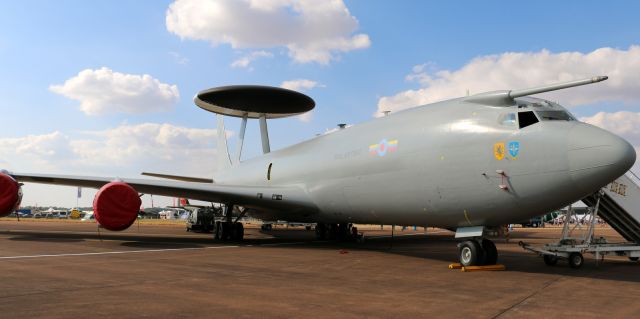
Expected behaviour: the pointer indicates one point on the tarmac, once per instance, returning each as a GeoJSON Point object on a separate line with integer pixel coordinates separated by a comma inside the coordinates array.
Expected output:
{"type": "Point", "coordinates": [66, 269]}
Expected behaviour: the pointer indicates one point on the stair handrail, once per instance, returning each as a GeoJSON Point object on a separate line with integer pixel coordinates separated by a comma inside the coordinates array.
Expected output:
{"type": "Point", "coordinates": [634, 176]}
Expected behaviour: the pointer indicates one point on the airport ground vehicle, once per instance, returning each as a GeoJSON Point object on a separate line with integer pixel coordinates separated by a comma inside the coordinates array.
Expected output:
{"type": "Point", "coordinates": [534, 222]}
{"type": "Point", "coordinates": [200, 219]}
{"type": "Point", "coordinates": [619, 205]}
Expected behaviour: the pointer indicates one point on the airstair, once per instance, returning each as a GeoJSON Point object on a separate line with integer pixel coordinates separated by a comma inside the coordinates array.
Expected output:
{"type": "Point", "coordinates": [619, 205]}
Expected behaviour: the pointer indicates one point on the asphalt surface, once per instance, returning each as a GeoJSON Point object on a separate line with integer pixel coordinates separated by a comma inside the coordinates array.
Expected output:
{"type": "Point", "coordinates": [64, 270]}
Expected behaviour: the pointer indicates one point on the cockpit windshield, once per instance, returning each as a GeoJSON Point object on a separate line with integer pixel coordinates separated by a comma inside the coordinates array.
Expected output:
{"type": "Point", "coordinates": [554, 116]}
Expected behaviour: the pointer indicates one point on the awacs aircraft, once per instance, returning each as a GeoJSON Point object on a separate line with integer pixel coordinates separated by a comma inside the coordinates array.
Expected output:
{"type": "Point", "coordinates": [469, 164]}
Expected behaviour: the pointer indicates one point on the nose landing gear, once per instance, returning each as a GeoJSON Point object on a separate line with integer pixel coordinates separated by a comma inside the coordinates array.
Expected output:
{"type": "Point", "coordinates": [477, 252]}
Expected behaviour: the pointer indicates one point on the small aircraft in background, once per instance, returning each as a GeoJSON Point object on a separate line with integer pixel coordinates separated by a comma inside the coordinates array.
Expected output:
{"type": "Point", "coordinates": [469, 164]}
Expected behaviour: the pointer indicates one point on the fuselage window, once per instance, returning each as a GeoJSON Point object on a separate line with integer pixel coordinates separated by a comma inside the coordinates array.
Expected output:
{"type": "Point", "coordinates": [554, 116]}
{"type": "Point", "coordinates": [269, 172]}
{"type": "Point", "coordinates": [527, 118]}
{"type": "Point", "coordinates": [508, 119]}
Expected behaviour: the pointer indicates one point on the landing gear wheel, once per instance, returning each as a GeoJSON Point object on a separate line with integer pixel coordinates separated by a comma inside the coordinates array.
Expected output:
{"type": "Point", "coordinates": [321, 231]}
{"type": "Point", "coordinates": [550, 260]}
{"type": "Point", "coordinates": [225, 230]}
{"type": "Point", "coordinates": [634, 258]}
{"type": "Point", "coordinates": [470, 253]}
{"type": "Point", "coordinates": [238, 231]}
{"type": "Point", "coordinates": [576, 260]}
{"type": "Point", "coordinates": [217, 228]}
{"type": "Point", "coordinates": [490, 252]}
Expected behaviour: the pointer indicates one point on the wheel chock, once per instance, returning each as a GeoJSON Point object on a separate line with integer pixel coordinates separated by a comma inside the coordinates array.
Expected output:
{"type": "Point", "coordinates": [484, 268]}
{"type": "Point", "coordinates": [455, 266]}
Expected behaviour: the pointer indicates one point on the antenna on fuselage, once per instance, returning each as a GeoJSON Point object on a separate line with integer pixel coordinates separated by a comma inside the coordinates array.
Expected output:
{"type": "Point", "coordinates": [253, 102]}
{"type": "Point", "coordinates": [507, 98]}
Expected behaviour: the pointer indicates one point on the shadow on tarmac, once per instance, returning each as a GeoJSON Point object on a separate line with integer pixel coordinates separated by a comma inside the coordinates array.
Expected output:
{"type": "Point", "coordinates": [441, 247]}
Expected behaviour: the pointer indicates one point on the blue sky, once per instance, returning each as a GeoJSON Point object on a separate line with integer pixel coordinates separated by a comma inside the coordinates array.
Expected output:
{"type": "Point", "coordinates": [357, 57]}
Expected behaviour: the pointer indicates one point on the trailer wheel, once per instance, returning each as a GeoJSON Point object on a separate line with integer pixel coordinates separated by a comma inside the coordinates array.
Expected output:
{"type": "Point", "coordinates": [576, 260]}
{"type": "Point", "coordinates": [550, 260]}
{"type": "Point", "coordinates": [634, 258]}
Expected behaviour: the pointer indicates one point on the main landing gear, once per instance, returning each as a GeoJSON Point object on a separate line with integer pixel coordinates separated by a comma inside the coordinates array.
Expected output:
{"type": "Point", "coordinates": [229, 229]}
{"type": "Point", "coordinates": [478, 252]}
{"type": "Point", "coordinates": [344, 231]}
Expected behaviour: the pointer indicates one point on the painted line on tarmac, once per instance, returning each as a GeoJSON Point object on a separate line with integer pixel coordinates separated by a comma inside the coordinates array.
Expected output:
{"type": "Point", "coordinates": [119, 252]}
{"type": "Point", "coordinates": [122, 252]}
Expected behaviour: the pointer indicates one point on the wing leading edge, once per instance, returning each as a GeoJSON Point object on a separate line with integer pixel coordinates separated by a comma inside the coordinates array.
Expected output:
{"type": "Point", "coordinates": [288, 198]}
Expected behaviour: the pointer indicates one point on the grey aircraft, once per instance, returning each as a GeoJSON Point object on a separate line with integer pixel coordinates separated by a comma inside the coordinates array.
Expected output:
{"type": "Point", "coordinates": [470, 164]}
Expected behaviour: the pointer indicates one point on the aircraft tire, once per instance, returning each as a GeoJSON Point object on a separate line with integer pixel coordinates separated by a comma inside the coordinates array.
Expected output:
{"type": "Point", "coordinates": [550, 260]}
{"type": "Point", "coordinates": [225, 232]}
{"type": "Point", "coordinates": [490, 252]}
{"type": "Point", "coordinates": [321, 231]}
{"type": "Point", "coordinates": [576, 260]}
{"type": "Point", "coordinates": [634, 258]}
{"type": "Point", "coordinates": [470, 253]}
{"type": "Point", "coordinates": [238, 231]}
{"type": "Point", "coordinates": [217, 231]}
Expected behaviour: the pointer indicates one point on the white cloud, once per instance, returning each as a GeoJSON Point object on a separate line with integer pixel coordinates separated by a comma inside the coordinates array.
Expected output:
{"type": "Point", "coordinates": [516, 70]}
{"type": "Point", "coordinates": [179, 58]}
{"type": "Point", "coordinates": [125, 150]}
{"type": "Point", "coordinates": [623, 123]}
{"type": "Point", "coordinates": [246, 60]}
{"type": "Point", "coordinates": [311, 30]}
{"type": "Point", "coordinates": [302, 85]}
{"type": "Point", "coordinates": [104, 91]}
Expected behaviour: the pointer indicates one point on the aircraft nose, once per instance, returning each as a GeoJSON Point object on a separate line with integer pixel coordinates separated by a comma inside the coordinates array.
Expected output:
{"type": "Point", "coordinates": [597, 157]}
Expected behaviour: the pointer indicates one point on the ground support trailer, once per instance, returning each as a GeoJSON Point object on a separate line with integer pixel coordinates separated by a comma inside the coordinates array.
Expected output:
{"type": "Point", "coordinates": [619, 205]}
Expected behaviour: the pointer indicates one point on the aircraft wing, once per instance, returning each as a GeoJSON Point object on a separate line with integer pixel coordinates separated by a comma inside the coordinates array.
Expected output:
{"type": "Point", "coordinates": [265, 197]}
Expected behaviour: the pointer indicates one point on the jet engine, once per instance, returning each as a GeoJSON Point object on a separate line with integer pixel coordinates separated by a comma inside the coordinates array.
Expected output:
{"type": "Point", "coordinates": [116, 206]}
{"type": "Point", "coordinates": [10, 194]}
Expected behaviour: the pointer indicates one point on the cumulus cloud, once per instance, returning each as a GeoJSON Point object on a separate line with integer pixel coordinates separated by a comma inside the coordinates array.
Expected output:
{"type": "Point", "coordinates": [311, 30]}
{"type": "Point", "coordinates": [179, 58]}
{"type": "Point", "coordinates": [246, 60]}
{"type": "Point", "coordinates": [104, 91]}
{"type": "Point", "coordinates": [301, 85]}
{"type": "Point", "coordinates": [516, 70]}
{"type": "Point", "coordinates": [623, 123]}
{"type": "Point", "coordinates": [125, 150]}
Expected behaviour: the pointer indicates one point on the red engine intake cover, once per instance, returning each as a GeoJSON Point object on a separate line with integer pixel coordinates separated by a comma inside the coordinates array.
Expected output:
{"type": "Point", "coordinates": [10, 195]}
{"type": "Point", "coordinates": [116, 206]}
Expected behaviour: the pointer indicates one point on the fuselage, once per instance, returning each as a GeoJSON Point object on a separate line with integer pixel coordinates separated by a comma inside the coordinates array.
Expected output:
{"type": "Point", "coordinates": [449, 164]}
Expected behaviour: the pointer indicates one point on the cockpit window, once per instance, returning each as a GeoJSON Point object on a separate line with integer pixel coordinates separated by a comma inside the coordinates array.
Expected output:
{"type": "Point", "coordinates": [554, 116]}
{"type": "Point", "coordinates": [527, 118]}
{"type": "Point", "coordinates": [508, 119]}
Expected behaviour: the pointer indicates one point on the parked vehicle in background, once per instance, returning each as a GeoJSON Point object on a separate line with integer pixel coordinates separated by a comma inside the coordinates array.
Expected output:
{"type": "Point", "coordinates": [88, 216]}
{"type": "Point", "coordinates": [200, 219]}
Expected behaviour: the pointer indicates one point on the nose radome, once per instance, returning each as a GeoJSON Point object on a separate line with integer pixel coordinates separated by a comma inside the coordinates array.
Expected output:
{"type": "Point", "coordinates": [597, 157]}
